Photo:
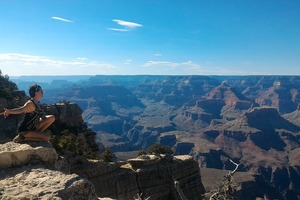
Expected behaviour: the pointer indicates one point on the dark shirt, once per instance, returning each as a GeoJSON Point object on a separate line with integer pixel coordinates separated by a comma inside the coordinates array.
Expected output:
{"type": "Point", "coordinates": [31, 119]}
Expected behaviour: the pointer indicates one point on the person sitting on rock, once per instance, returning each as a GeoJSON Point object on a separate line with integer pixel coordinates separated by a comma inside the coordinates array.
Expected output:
{"type": "Point", "coordinates": [35, 122]}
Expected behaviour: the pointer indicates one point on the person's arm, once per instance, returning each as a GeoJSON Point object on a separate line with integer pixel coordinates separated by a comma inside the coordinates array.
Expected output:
{"type": "Point", "coordinates": [28, 107]}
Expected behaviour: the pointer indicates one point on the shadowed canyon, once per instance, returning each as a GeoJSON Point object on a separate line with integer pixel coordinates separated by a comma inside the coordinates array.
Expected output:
{"type": "Point", "coordinates": [251, 120]}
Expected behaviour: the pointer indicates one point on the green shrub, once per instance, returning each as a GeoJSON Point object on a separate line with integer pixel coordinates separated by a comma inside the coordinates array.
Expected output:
{"type": "Point", "coordinates": [159, 149]}
{"type": "Point", "coordinates": [107, 155]}
{"type": "Point", "coordinates": [141, 152]}
{"type": "Point", "coordinates": [77, 144]}
{"type": "Point", "coordinates": [68, 142]}
{"type": "Point", "coordinates": [6, 87]}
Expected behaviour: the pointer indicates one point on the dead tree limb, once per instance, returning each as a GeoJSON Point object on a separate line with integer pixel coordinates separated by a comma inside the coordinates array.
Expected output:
{"type": "Point", "coordinates": [227, 189]}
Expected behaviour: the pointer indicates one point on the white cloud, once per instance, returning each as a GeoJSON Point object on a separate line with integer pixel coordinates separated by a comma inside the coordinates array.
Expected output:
{"type": "Point", "coordinates": [157, 54]}
{"type": "Point", "coordinates": [230, 71]}
{"type": "Point", "coordinates": [167, 67]}
{"type": "Point", "coordinates": [81, 58]}
{"type": "Point", "coordinates": [21, 64]}
{"type": "Point", "coordinates": [62, 19]}
{"type": "Point", "coordinates": [127, 26]}
{"type": "Point", "coordinates": [171, 64]}
{"type": "Point", "coordinates": [118, 29]}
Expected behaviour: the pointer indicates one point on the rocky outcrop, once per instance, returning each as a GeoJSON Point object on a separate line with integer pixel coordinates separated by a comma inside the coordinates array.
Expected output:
{"type": "Point", "coordinates": [39, 182]}
{"type": "Point", "coordinates": [176, 90]}
{"type": "Point", "coordinates": [27, 172]}
{"type": "Point", "coordinates": [68, 117]}
{"type": "Point", "coordinates": [213, 106]}
{"type": "Point", "coordinates": [33, 170]}
{"type": "Point", "coordinates": [227, 93]}
{"type": "Point", "coordinates": [263, 119]}
{"type": "Point", "coordinates": [67, 113]}
{"type": "Point", "coordinates": [248, 186]}
{"type": "Point", "coordinates": [150, 176]}
{"type": "Point", "coordinates": [13, 154]}
{"type": "Point", "coordinates": [293, 117]}
{"type": "Point", "coordinates": [211, 115]}
{"type": "Point", "coordinates": [277, 96]}
{"type": "Point", "coordinates": [264, 143]}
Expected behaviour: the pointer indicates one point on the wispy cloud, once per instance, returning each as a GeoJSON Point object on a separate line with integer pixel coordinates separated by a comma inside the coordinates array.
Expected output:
{"type": "Point", "coordinates": [23, 64]}
{"type": "Point", "coordinates": [62, 19]}
{"type": "Point", "coordinates": [168, 67]}
{"type": "Point", "coordinates": [157, 54]}
{"type": "Point", "coordinates": [127, 26]}
{"type": "Point", "coordinates": [118, 29]}
{"type": "Point", "coordinates": [171, 64]}
{"type": "Point", "coordinates": [81, 58]}
{"type": "Point", "coordinates": [231, 71]}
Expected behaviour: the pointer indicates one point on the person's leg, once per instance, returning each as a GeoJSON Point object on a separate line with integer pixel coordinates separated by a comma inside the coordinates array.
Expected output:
{"type": "Point", "coordinates": [45, 123]}
{"type": "Point", "coordinates": [36, 136]}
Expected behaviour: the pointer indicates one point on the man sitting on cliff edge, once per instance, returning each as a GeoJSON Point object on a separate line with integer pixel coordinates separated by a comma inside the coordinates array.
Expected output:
{"type": "Point", "coordinates": [35, 122]}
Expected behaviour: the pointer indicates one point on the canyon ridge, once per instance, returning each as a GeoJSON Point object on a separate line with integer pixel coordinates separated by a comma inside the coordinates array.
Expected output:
{"type": "Point", "coordinates": [251, 120]}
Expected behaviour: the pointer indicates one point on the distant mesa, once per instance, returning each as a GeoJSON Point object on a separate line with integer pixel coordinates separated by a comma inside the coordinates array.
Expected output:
{"type": "Point", "coordinates": [268, 119]}
{"type": "Point", "coordinates": [265, 119]}
{"type": "Point", "coordinates": [227, 93]}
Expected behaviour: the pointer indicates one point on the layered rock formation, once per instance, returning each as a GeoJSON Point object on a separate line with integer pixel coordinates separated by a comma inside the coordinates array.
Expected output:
{"type": "Point", "coordinates": [263, 142]}
{"type": "Point", "coordinates": [33, 171]}
{"type": "Point", "coordinates": [15, 155]}
{"type": "Point", "coordinates": [150, 176]}
{"type": "Point", "coordinates": [210, 118]}
{"type": "Point", "coordinates": [27, 172]}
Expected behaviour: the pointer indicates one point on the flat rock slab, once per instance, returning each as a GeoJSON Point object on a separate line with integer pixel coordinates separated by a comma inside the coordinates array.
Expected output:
{"type": "Point", "coordinates": [15, 154]}
{"type": "Point", "coordinates": [38, 182]}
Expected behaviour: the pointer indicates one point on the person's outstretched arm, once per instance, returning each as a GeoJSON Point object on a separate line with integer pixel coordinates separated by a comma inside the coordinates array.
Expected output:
{"type": "Point", "coordinates": [28, 107]}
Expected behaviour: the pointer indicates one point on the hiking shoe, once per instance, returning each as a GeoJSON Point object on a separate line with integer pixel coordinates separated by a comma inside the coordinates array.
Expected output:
{"type": "Point", "coordinates": [19, 138]}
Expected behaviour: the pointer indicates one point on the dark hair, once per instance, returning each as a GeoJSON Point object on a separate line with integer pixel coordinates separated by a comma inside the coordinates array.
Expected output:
{"type": "Point", "coordinates": [33, 89]}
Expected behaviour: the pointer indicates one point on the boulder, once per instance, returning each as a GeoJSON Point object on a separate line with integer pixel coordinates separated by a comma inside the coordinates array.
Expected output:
{"type": "Point", "coordinates": [27, 172]}
{"type": "Point", "coordinates": [38, 182]}
{"type": "Point", "coordinates": [15, 154]}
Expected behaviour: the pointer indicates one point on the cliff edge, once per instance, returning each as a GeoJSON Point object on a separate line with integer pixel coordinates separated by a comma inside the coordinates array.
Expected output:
{"type": "Point", "coordinates": [27, 172]}
{"type": "Point", "coordinates": [34, 171]}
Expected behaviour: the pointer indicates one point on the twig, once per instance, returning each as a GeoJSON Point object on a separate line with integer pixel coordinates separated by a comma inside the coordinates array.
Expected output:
{"type": "Point", "coordinates": [213, 195]}
{"type": "Point", "coordinates": [226, 191]}
{"type": "Point", "coordinates": [236, 167]}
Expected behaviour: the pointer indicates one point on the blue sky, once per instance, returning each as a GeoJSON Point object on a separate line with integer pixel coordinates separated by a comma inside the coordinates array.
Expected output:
{"type": "Point", "coordinates": [170, 37]}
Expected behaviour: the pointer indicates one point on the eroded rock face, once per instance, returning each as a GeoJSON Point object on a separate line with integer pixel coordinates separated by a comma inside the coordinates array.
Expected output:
{"type": "Point", "coordinates": [27, 172]}
{"type": "Point", "coordinates": [38, 182]}
{"type": "Point", "coordinates": [264, 143]}
{"type": "Point", "coordinates": [67, 113]}
{"type": "Point", "coordinates": [14, 154]}
{"type": "Point", "coordinates": [33, 171]}
{"type": "Point", "coordinates": [165, 177]}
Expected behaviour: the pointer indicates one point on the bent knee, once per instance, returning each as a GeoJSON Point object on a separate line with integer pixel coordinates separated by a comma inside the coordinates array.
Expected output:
{"type": "Point", "coordinates": [50, 118]}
